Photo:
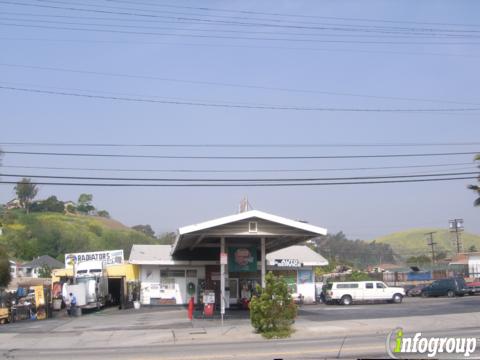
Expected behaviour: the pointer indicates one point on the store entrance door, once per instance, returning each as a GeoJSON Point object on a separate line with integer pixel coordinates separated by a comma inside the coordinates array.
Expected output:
{"type": "Point", "coordinates": [233, 286]}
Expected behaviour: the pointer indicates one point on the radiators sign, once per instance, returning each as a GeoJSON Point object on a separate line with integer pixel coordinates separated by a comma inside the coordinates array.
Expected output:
{"type": "Point", "coordinates": [106, 257]}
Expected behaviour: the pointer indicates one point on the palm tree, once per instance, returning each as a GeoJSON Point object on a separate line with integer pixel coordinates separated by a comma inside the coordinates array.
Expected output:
{"type": "Point", "coordinates": [476, 187]}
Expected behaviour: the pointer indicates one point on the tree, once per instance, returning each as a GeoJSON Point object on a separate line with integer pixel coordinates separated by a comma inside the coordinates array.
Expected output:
{"type": "Point", "coordinates": [441, 255]}
{"type": "Point", "coordinates": [167, 238]}
{"type": "Point", "coordinates": [272, 311]}
{"type": "Point", "coordinates": [85, 203]}
{"type": "Point", "coordinates": [476, 187]}
{"type": "Point", "coordinates": [146, 229]}
{"type": "Point", "coordinates": [45, 272]}
{"type": "Point", "coordinates": [51, 204]}
{"type": "Point", "coordinates": [472, 248]}
{"type": "Point", "coordinates": [26, 192]}
{"type": "Point", "coordinates": [419, 260]}
{"type": "Point", "coordinates": [103, 213]}
{"type": "Point", "coordinates": [5, 276]}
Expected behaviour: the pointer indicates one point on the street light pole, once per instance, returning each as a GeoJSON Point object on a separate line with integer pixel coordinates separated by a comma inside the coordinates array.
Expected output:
{"type": "Point", "coordinates": [456, 226]}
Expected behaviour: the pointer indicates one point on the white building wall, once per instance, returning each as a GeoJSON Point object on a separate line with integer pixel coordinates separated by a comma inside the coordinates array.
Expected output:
{"type": "Point", "coordinates": [306, 286]}
{"type": "Point", "coordinates": [153, 286]}
{"type": "Point", "coordinates": [474, 265]}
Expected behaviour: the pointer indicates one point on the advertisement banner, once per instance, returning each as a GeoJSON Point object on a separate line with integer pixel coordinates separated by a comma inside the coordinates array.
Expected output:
{"type": "Point", "coordinates": [305, 276]}
{"type": "Point", "coordinates": [242, 259]}
{"type": "Point", "coordinates": [106, 257]}
{"type": "Point", "coordinates": [40, 302]}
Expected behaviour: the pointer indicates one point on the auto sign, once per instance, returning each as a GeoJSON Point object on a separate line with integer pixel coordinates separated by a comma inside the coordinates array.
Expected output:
{"type": "Point", "coordinates": [287, 263]}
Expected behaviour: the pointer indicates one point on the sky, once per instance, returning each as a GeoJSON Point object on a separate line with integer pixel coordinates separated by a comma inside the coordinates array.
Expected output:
{"type": "Point", "coordinates": [343, 55]}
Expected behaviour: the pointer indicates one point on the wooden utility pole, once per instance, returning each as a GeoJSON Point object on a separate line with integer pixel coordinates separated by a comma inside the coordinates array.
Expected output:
{"type": "Point", "coordinates": [432, 244]}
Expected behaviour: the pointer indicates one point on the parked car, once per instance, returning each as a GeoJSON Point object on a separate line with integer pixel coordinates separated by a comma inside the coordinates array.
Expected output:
{"type": "Point", "coordinates": [416, 290]}
{"type": "Point", "coordinates": [473, 287]}
{"type": "Point", "coordinates": [407, 288]}
{"type": "Point", "coordinates": [446, 287]}
{"type": "Point", "coordinates": [346, 293]}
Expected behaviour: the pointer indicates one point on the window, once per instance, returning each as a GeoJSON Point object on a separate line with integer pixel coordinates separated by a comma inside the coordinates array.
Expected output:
{"type": "Point", "coordinates": [369, 285]}
{"type": "Point", "coordinates": [380, 286]}
{"type": "Point", "coordinates": [167, 284]}
{"type": "Point", "coordinates": [252, 227]}
{"type": "Point", "coordinates": [191, 273]}
{"type": "Point", "coordinates": [172, 273]}
{"type": "Point", "coordinates": [347, 286]}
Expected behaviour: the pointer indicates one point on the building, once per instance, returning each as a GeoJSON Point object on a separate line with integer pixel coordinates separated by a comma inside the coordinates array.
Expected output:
{"type": "Point", "coordinates": [297, 264]}
{"type": "Point", "coordinates": [466, 264]}
{"type": "Point", "coordinates": [33, 268]}
{"type": "Point", "coordinates": [227, 257]}
{"type": "Point", "coordinates": [13, 269]}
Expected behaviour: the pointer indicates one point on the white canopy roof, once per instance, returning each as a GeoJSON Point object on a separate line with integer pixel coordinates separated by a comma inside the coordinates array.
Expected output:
{"type": "Point", "coordinates": [278, 231]}
{"type": "Point", "coordinates": [302, 253]}
{"type": "Point", "coordinates": [252, 214]}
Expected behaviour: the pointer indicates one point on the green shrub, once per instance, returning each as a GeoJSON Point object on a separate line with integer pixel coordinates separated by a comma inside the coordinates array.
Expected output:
{"type": "Point", "coordinates": [272, 311]}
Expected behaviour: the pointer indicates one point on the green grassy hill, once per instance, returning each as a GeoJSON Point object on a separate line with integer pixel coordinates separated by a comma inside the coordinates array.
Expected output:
{"type": "Point", "coordinates": [414, 242]}
{"type": "Point", "coordinates": [27, 236]}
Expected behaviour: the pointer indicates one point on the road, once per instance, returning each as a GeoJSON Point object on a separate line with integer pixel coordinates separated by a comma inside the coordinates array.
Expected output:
{"type": "Point", "coordinates": [410, 307]}
{"type": "Point", "coordinates": [321, 332]}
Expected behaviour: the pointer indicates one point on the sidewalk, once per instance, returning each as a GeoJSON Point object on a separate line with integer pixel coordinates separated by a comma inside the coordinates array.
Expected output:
{"type": "Point", "coordinates": [155, 328]}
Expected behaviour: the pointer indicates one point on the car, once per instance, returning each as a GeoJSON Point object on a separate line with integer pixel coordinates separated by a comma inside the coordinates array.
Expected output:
{"type": "Point", "coordinates": [415, 291]}
{"type": "Point", "coordinates": [348, 292]}
{"type": "Point", "coordinates": [450, 287]}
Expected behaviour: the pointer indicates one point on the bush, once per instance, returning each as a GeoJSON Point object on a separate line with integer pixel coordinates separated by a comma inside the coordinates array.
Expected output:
{"type": "Point", "coordinates": [272, 311]}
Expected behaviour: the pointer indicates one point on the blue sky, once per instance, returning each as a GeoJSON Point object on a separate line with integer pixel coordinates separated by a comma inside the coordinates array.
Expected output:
{"type": "Point", "coordinates": [447, 72]}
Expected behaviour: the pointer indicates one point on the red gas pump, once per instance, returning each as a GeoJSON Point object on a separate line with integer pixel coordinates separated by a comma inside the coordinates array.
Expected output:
{"type": "Point", "coordinates": [208, 310]}
{"type": "Point", "coordinates": [191, 304]}
{"type": "Point", "coordinates": [208, 303]}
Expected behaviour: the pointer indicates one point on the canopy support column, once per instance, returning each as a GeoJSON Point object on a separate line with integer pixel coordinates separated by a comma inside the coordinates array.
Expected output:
{"type": "Point", "coordinates": [222, 280]}
{"type": "Point", "coordinates": [264, 260]}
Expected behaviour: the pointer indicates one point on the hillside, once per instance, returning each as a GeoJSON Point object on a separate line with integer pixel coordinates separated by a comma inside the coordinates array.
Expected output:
{"type": "Point", "coordinates": [413, 242]}
{"type": "Point", "coordinates": [27, 236]}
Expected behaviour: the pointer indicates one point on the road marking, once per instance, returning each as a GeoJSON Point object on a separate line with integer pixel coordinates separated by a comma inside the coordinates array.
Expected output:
{"type": "Point", "coordinates": [252, 355]}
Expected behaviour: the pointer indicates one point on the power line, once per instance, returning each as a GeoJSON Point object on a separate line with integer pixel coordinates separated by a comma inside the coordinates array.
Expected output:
{"type": "Point", "coordinates": [201, 17]}
{"type": "Point", "coordinates": [149, 13]}
{"type": "Point", "coordinates": [240, 46]}
{"type": "Point", "coordinates": [381, 35]}
{"type": "Point", "coordinates": [218, 157]}
{"type": "Point", "coordinates": [238, 145]}
{"type": "Point", "coordinates": [229, 170]}
{"type": "Point", "coordinates": [228, 37]}
{"type": "Point", "coordinates": [240, 180]}
{"type": "Point", "coordinates": [250, 12]}
{"type": "Point", "coordinates": [237, 106]}
{"type": "Point", "coordinates": [227, 84]}
{"type": "Point", "coordinates": [248, 184]}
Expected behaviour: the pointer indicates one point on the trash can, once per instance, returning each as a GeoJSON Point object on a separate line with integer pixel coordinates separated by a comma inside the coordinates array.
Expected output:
{"type": "Point", "coordinates": [57, 304]}
{"type": "Point", "coordinates": [136, 305]}
{"type": "Point", "coordinates": [77, 311]}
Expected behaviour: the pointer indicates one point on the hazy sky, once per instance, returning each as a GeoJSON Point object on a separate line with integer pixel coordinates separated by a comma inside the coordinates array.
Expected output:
{"type": "Point", "coordinates": [427, 50]}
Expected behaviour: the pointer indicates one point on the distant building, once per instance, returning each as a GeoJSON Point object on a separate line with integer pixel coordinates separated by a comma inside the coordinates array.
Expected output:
{"type": "Point", "coordinates": [13, 269]}
{"type": "Point", "coordinates": [467, 264]}
{"type": "Point", "coordinates": [33, 268]}
{"type": "Point", "coordinates": [13, 204]}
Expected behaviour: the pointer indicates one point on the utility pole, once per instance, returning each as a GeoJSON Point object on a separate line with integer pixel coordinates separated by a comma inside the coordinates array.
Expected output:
{"type": "Point", "coordinates": [432, 244]}
{"type": "Point", "coordinates": [456, 226]}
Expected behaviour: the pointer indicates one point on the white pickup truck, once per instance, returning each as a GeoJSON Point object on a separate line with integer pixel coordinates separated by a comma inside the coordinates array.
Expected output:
{"type": "Point", "coordinates": [346, 293]}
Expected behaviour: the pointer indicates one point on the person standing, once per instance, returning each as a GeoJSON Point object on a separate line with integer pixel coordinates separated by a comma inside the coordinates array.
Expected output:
{"type": "Point", "coordinates": [73, 304]}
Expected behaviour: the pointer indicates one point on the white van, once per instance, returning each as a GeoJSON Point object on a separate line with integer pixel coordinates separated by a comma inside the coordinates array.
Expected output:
{"type": "Point", "coordinates": [347, 292]}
